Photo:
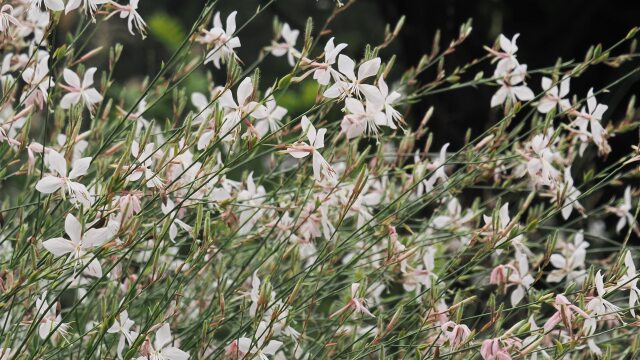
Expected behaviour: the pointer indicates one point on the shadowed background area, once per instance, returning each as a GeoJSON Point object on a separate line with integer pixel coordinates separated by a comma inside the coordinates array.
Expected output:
{"type": "Point", "coordinates": [549, 30]}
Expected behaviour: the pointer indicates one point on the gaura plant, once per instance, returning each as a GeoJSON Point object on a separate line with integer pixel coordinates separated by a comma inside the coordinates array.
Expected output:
{"type": "Point", "coordinates": [228, 226]}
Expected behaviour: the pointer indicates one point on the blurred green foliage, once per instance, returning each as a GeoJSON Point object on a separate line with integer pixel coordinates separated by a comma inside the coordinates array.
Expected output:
{"type": "Point", "coordinates": [167, 29]}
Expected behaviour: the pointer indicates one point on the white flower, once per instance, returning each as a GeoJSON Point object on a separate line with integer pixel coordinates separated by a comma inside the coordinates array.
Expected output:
{"type": "Point", "coordinates": [58, 166]}
{"type": "Point", "coordinates": [134, 19]}
{"type": "Point", "coordinates": [324, 71]}
{"type": "Point", "coordinates": [316, 141]}
{"type": "Point", "coordinates": [169, 208]}
{"type": "Point", "coordinates": [512, 86]}
{"type": "Point", "coordinates": [144, 168]}
{"type": "Point", "coordinates": [7, 18]}
{"type": "Point", "coordinates": [237, 111]}
{"type": "Point", "coordinates": [624, 211]}
{"type": "Point", "coordinates": [361, 119]}
{"type": "Point", "coordinates": [38, 79]}
{"type": "Point", "coordinates": [53, 5]}
{"type": "Point", "coordinates": [290, 37]}
{"type": "Point", "coordinates": [599, 307]}
{"type": "Point", "coordinates": [354, 84]}
{"type": "Point", "coordinates": [79, 91]}
{"type": "Point", "coordinates": [540, 166]}
{"type": "Point", "coordinates": [571, 195]}
{"type": "Point", "coordinates": [259, 347]}
{"type": "Point", "coordinates": [554, 97]}
{"type": "Point", "coordinates": [508, 55]}
{"type": "Point", "coordinates": [50, 323]}
{"type": "Point", "coordinates": [389, 99]}
{"type": "Point", "coordinates": [202, 104]}
{"type": "Point", "coordinates": [454, 219]}
{"type": "Point", "coordinates": [275, 113]}
{"type": "Point", "coordinates": [79, 245]}
{"type": "Point", "coordinates": [90, 6]}
{"type": "Point", "coordinates": [251, 199]}
{"type": "Point", "coordinates": [423, 275]}
{"type": "Point", "coordinates": [123, 327]}
{"type": "Point", "coordinates": [438, 168]}
{"type": "Point", "coordinates": [355, 302]}
{"type": "Point", "coordinates": [572, 266]}
{"type": "Point", "coordinates": [521, 278]}
{"type": "Point", "coordinates": [590, 117]}
{"type": "Point", "coordinates": [630, 281]}
{"type": "Point", "coordinates": [161, 349]}
{"type": "Point", "coordinates": [221, 39]}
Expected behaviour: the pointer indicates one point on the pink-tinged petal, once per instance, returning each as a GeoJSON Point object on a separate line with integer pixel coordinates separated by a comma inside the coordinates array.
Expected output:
{"type": "Point", "coordinates": [199, 100]}
{"type": "Point", "coordinates": [54, 5]}
{"type": "Point", "coordinates": [95, 237]}
{"type": "Point", "coordinates": [92, 96]}
{"type": "Point", "coordinates": [597, 131]}
{"type": "Point", "coordinates": [334, 91]}
{"type": "Point", "coordinates": [322, 76]}
{"type": "Point", "coordinates": [372, 94]}
{"type": "Point", "coordinates": [226, 100]}
{"type": "Point", "coordinates": [49, 184]}
{"type": "Point", "coordinates": [173, 353]}
{"type": "Point", "coordinates": [80, 167]}
{"type": "Point", "coordinates": [555, 276]}
{"type": "Point", "coordinates": [70, 99]}
{"type": "Point", "coordinates": [71, 78]}
{"type": "Point", "coordinates": [591, 101]}
{"type": "Point", "coordinates": [505, 43]}
{"type": "Point", "coordinates": [599, 111]}
{"type": "Point", "coordinates": [558, 261]}
{"type": "Point", "coordinates": [87, 81]}
{"type": "Point", "coordinates": [244, 345]}
{"type": "Point", "coordinates": [205, 139]}
{"type": "Point", "coordinates": [354, 106]}
{"type": "Point", "coordinates": [231, 23]}
{"type": "Point", "coordinates": [216, 21]}
{"type": "Point", "coordinates": [93, 268]}
{"type": "Point", "coordinates": [499, 97]}
{"type": "Point", "coordinates": [43, 329]}
{"type": "Point", "coordinates": [234, 43]}
{"type": "Point", "coordinates": [272, 347]}
{"type": "Point", "coordinates": [245, 89]}
{"type": "Point", "coordinates": [163, 337]}
{"type": "Point", "coordinates": [72, 5]}
{"type": "Point", "coordinates": [552, 322]}
{"type": "Point", "coordinates": [317, 165]}
{"type": "Point", "coordinates": [564, 86]}
{"type": "Point", "coordinates": [517, 295]}
{"type": "Point", "coordinates": [298, 154]}
{"type": "Point", "coordinates": [567, 210]}
{"type": "Point", "coordinates": [319, 140]}
{"type": "Point", "coordinates": [347, 66]}
{"type": "Point", "coordinates": [278, 51]}
{"type": "Point", "coordinates": [546, 105]}
{"type": "Point", "coordinates": [79, 193]}
{"type": "Point", "coordinates": [259, 111]}
{"type": "Point", "coordinates": [504, 215]}
{"type": "Point", "coordinates": [546, 83]}
{"type": "Point", "coordinates": [523, 93]}
{"type": "Point", "coordinates": [330, 57]}
{"type": "Point", "coordinates": [57, 162]}
{"type": "Point", "coordinates": [73, 228]}
{"type": "Point", "coordinates": [369, 68]}
{"type": "Point", "coordinates": [59, 246]}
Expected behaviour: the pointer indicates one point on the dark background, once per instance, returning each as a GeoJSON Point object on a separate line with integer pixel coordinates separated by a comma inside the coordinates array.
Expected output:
{"type": "Point", "coordinates": [549, 30]}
